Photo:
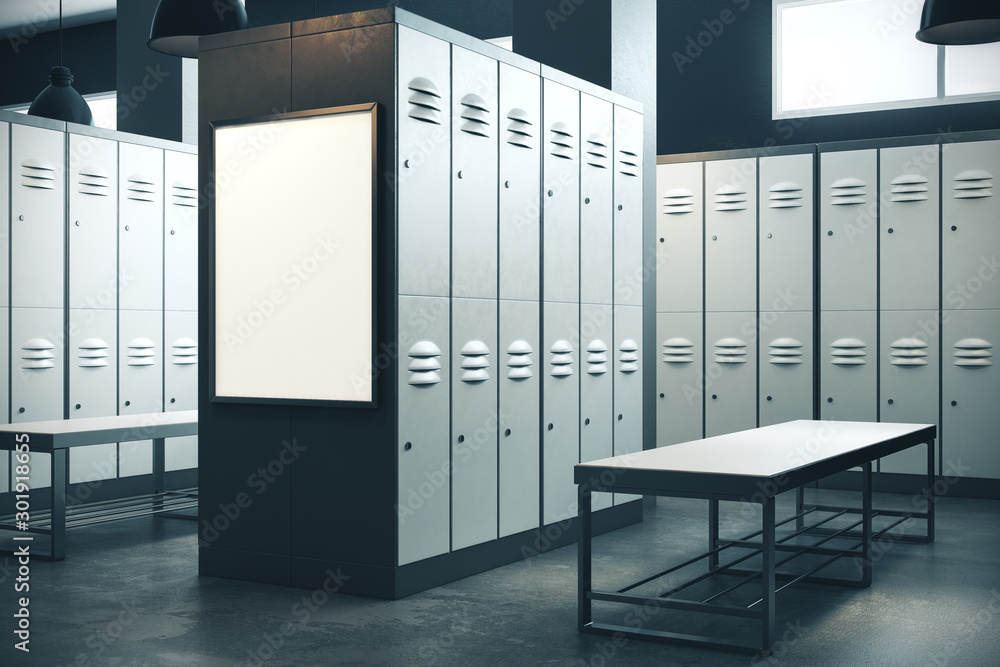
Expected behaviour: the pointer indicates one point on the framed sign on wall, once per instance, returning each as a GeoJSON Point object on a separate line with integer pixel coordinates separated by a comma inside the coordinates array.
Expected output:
{"type": "Point", "coordinates": [292, 279]}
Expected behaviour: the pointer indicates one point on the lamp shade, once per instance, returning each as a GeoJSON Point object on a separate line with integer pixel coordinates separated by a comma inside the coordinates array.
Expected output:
{"type": "Point", "coordinates": [177, 24]}
{"type": "Point", "coordinates": [959, 22]}
{"type": "Point", "coordinates": [60, 101]}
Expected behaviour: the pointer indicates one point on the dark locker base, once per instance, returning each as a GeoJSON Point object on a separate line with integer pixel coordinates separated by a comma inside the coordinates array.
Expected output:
{"type": "Point", "coordinates": [392, 583]}
{"type": "Point", "coordinates": [890, 482]}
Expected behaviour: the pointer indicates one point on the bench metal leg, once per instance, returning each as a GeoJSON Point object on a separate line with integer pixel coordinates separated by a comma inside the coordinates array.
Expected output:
{"type": "Point", "coordinates": [713, 534]}
{"type": "Point", "coordinates": [159, 463]}
{"type": "Point", "coordinates": [584, 604]}
{"type": "Point", "coordinates": [866, 524]}
{"type": "Point", "coordinates": [767, 610]}
{"type": "Point", "coordinates": [930, 491]}
{"type": "Point", "coordinates": [58, 469]}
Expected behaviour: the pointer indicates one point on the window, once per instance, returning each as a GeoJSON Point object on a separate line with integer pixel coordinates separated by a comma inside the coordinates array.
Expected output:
{"type": "Point", "coordinates": [844, 56]}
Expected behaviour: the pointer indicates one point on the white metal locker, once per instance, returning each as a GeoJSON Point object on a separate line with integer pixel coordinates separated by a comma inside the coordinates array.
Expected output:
{"type": "Point", "coordinates": [36, 374]}
{"type": "Point", "coordinates": [561, 193]}
{"type": "Point", "coordinates": [786, 367]}
{"type": "Point", "coordinates": [37, 225]}
{"type": "Point", "coordinates": [140, 381]}
{"type": "Point", "coordinates": [970, 385]}
{"type": "Point", "coordinates": [140, 227]}
{"type": "Point", "coordinates": [597, 239]}
{"type": "Point", "coordinates": [971, 232]}
{"type": "Point", "coordinates": [5, 236]}
{"type": "Point", "coordinates": [910, 371]}
{"type": "Point", "coordinates": [598, 363]}
{"type": "Point", "coordinates": [786, 233]}
{"type": "Point", "coordinates": [848, 385]}
{"type": "Point", "coordinates": [520, 365]}
{"type": "Point", "coordinates": [422, 174]}
{"type": "Point", "coordinates": [180, 382]}
{"type": "Point", "coordinates": [628, 360]}
{"type": "Point", "coordinates": [909, 224]}
{"type": "Point", "coordinates": [93, 223]}
{"type": "Point", "coordinates": [474, 421]}
{"type": "Point", "coordinates": [680, 237]}
{"type": "Point", "coordinates": [848, 228]}
{"type": "Point", "coordinates": [680, 378]}
{"type": "Point", "coordinates": [4, 365]}
{"type": "Point", "coordinates": [730, 372]}
{"type": "Point", "coordinates": [628, 270]}
{"type": "Point", "coordinates": [180, 231]}
{"type": "Point", "coordinates": [475, 132]}
{"type": "Point", "coordinates": [93, 363]}
{"type": "Point", "coordinates": [423, 452]}
{"type": "Point", "coordinates": [561, 409]}
{"type": "Point", "coordinates": [520, 170]}
{"type": "Point", "coordinates": [731, 235]}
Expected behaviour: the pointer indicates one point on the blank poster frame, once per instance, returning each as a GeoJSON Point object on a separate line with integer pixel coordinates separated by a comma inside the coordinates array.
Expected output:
{"type": "Point", "coordinates": [274, 332]}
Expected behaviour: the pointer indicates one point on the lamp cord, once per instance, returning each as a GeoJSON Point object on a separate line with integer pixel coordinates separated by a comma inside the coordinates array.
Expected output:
{"type": "Point", "coordinates": [60, 35]}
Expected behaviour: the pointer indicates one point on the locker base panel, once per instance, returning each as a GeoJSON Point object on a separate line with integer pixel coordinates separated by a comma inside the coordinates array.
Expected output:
{"type": "Point", "coordinates": [891, 482]}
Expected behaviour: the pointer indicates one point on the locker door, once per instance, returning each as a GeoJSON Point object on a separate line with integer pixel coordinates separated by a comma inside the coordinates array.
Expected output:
{"type": "Point", "coordinates": [786, 232]}
{"type": "Point", "coordinates": [423, 452]}
{"type": "Point", "coordinates": [731, 235]}
{"type": "Point", "coordinates": [140, 381]}
{"type": "Point", "coordinates": [970, 233]}
{"type": "Point", "coordinates": [4, 236]}
{"type": "Point", "coordinates": [180, 231]}
{"type": "Point", "coordinates": [848, 389]}
{"type": "Point", "coordinates": [730, 373]}
{"type": "Point", "coordinates": [848, 225]}
{"type": "Point", "coordinates": [474, 84]}
{"type": "Point", "coordinates": [596, 200]}
{"type": "Point", "coordinates": [680, 210]}
{"type": "Point", "coordinates": [970, 385]}
{"type": "Point", "coordinates": [786, 369]}
{"type": "Point", "coordinates": [423, 181]}
{"type": "Point", "coordinates": [628, 385]}
{"type": "Point", "coordinates": [474, 422]}
{"type": "Point", "coordinates": [680, 378]}
{"type": "Point", "coordinates": [140, 227]}
{"type": "Point", "coordinates": [180, 383]}
{"type": "Point", "coordinates": [36, 374]}
{"type": "Point", "coordinates": [93, 223]}
{"type": "Point", "coordinates": [93, 386]}
{"type": "Point", "coordinates": [520, 171]}
{"type": "Point", "coordinates": [909, 252]}
{"type": "Point", "coordinates": [561, 193]}
{"type": "Point", "coordinates": [4, 366]}
{"type": "Point", "coordinates": [597, 379]}
{"type": "Point", "coordinates": [561, 410]}
{"type": "Point", "coordinates": [38, 228]}
{"type": "Point", "coordinates": [910, 371]}
{"type": "Point", "coordinates": [628, 207]}
{"type": "Point", "coordinates": [519, 374]}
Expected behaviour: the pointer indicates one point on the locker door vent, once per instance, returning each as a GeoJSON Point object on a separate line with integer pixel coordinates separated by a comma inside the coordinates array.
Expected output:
{"type": "Point", "coordinates": [908, 187]}
{"type": "Point", "coordinates": [38, 354]}
{"type": "Point", "coordinates": [425, 362]}
{"type": "Point", "coordinates": [597, 357]}
{"type": "Point", "coordinates": [629, 357]}
{"type": "Point", "coordinates": [141, 352]}
{"type": "Point", "coordinates": [597, 151]}
{"type": "Point", "coordinates": [94, 181]}
{"type": "Point", "coordinates": [730, 351]}
{"type": "Point", "coordinates": [425, 101]}
{"type": "Point", "coordinates": [848, 352]}
{"type": "Point", "coordinates": [185, 352]}
{"type": "Point", "coordinates": [475, 116]}
{"type": "Point", "coordinates": [785, 195]}
{"type": "Point", "coordinates": [730, 198]}
{"type": "Point", "coordinates": [908, 352]}
{"type": "Point", "coordinates": [93, 353]}
{"type": "Point", "coordinates": [974, 184]}
{"type": "Point", "coordinates": [519, 360]}
{"type": "Point", "coordinates": [184, 193]}
{"type": "Point", "coordinates": [562, 359]}
{"type": "Point", "coordinates": [562, 141]}
{"type": "Point", "coordinates": [848, 192]}
{"type": "Point", "coordinates": [628, 161]}
{"type": "Point", "coordinates": [677, 201]}
{"type": "Point", "coordinates": [521, 130]}
{"type": "Point", "coordinates": [678, 351]}
{"type": "Point", "coordinates": [38, 173]}
{"type": "Point", "coordinates": [785, 351]}
{"type": "Point", "coordinates": [973, 353]}
{"type": "Point", "coordinates": [141, 188]}
{"type": "Point", "coordinates": [475, 362]}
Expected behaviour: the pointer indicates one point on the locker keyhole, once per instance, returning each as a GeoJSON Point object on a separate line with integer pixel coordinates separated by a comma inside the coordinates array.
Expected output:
{"type": "Point", "coordinates": [128, 403]}
{"type": "Point", "coordinates": [172, 232]}
{"type": "Point", "coordinates": [890, 401]}
{"type": "Point", "coordinates": [551, 193]}
{"type": "Point", "coordinates": [461, 438]}
{"type": "Point", "coordinates": [408, 446]}
{"type": "Point", "coordinates": [663, 395]}
{"type": "Point", "coordinates": [620, 207]}
{"type": "Point", "coordinates": [587, 200]}
{"type": "Point", "coordinates": [954, 228]}
{"type": "Point", "coordinates": [620, 417]}
{"type": "Point", "coordinates": [406, 164]}
{"type": "Point", "coordinates": [662, 240]}
{"type": "Point", "coordinates": [830, 400]}
{"type": "Point", "coordinates": [506, 184]}
{"type": "Point", "coordinates": [715, 238]}
{"type": "Point", "coordinates": [586, 422]}
{"type": "Point", "coordinates": [715, 396]}
{"type": "Point", "coordinates": [173, 400]}
{"type": "Point", "coordinates": [461, 174]}
{"type": "Point", "coordinates": [507, 433]}
{"type": "Point", "coordinates": [126, 228]}
{"type": "Point", "coordinates": [77, 406]}
{"type": "Point", "coordinates": [769, 398]}
{"type": "Point", "coordinates": [830, 233]}
{"type": "Point", "coordinates": [77, 223]}
{"type": "Point", "coordinates": [551, 426]}
{"type": "Point", "coordinates": [21, 218]}
{"type": "Point", "coordinates": [890, 230]}
{"type": "Point", "coordinates": [21, 410]}
{"type": "Point", "coordinates": [953, 403]}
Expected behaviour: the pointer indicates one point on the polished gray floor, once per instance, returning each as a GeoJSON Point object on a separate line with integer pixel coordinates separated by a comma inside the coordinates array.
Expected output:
{"type": "Point", "coordinates": [129, 594]}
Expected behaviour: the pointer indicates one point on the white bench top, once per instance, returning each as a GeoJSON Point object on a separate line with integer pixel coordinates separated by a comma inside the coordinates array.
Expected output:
{"type": "Point", "coordinates": [63, 433]}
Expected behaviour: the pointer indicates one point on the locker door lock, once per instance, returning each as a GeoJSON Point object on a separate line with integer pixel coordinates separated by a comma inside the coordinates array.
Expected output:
{"type": "Point", "coordinates": [77, 406]}
{"type": "Point", "coordinates": [769, 235]}
{"type": "Point", "coordinates": [619, 417]}
{"type": "Point", "coordinates": [506, 184]}
{"type": "Point", "coordinates": [21, 410]}
{"type": "Point", "coordinates": [953, 403]}
{"type": "Point", "coordinates": [551, 426]}
{"type": "Point", "coordinates": [550, 193]}
{"type": "Point", "coordinates": [408, 446]}
{"type": "Point", "coordinates": [406, 164]}
{"type": "Point", "coordinates": [126, 228]}
{"type": "Point", "coordinates": [21, 218]}
{"type": "Point", "coordinates": [586, 422]}
{"type": "Point", "coordinates": [587, 200]}
{"type": "Point", "coordinates": [461, 174]}
{"type": "Point", "coordinates": [507, 433]}
{"type": "Point", "coordinates": [890, 230]}
{"type": "Point", "coordinates": [830, 233]}
{"type": "Point", "coordinates": [661, 240]}
{"type": "Point", "coordinates": [173, 400]}
{"type": "Point", "coordinates": [890, 401]}
{"type": "Point", "coordinates": [769, 398]}
{"type": "Point", "coordinates": [662, 395]}
{"type": "Point", "coordinates": [128, 403]}
{"type": "Point", "coordinates": [954, 228]}
{"type": "Point", "coordinates": [77, 223]}
{"type": "Point", "coordinates": [715, 238]}
{"type": "Point", "coordinates": [830, 400]}
{"type": "Point", "coordinates": [715, 396]}
{"type": "Point", "coordinates": [461, 438]}
{"type": "Point", "coordinates": [172, 232]}
{"type": "Point", "coordinates": [620, 207]}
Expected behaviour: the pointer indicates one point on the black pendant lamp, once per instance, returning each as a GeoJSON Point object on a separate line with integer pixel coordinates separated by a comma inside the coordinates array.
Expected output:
{"type": "Point", "coordinates": [177, 24]}
{"type": "Point", "coordinates": [958, 22]}
{"type": "Point", "coordinates": [59, 100]}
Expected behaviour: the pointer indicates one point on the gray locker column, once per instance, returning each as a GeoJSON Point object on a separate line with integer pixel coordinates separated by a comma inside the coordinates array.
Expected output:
{"type": "Point", "coordinates": [5, 407]}
{"type": "Point", "coordinates": [474, 422]}
{"type": "Point", "coordinates": [93, 387]}
{"type": "Point", "coordinates": [680, 379]}
{"type": "Point", "coordinates": [785, 320]}
{"type": "Point", "coordinates": [423, 491]}
{"type": "Point", "coordinates": [597, 237]}
{"type": "Point", "coordinates": [597, 379]}
{"type": "Point", "coordinates": [628, 385]}
{"type": "Point", "coordinates": [423, 179]}
{"type": "Point", "coordinates": [140, 227]}
{"type": "Point", "coordinates": [628, 270]}
{"type": "Point", "coordinates": [36, 374]}
{"type": "Point", "coordinates": [561, 410]}
{"type": "Point", "coordinates": [5, 185]}
{"type": "Point", "coordinates": [519, 372]}
{"type": "Point", "coordinates": [561, 193]}
{"type": "Point", "coordinates": [140, 381]}
{"type": "Point", "coordinates": [730, 372]}
{"type": "Point", "coordinates": [180, 382]}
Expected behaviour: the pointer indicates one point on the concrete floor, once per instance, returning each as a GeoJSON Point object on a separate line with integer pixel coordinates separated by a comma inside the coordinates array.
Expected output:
{"type": "Point", "coordinates": [129, 595]}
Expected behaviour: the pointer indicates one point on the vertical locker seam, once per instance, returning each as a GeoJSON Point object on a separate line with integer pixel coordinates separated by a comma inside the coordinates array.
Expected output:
{"type": "Point", "coordinates": [451, 296]}
{"type": "Point", "coordinates": [817, 199]}
{"type": "Point", "coordinates": [940, 308]}
{"type": "Point", "coordinates": [541, 301]}
{"type": "Point", "coordinates": [757, 163]}
{"type": "Point", "coordinates": [395, 291]}
{"type": "Point", "coordinates": [10, 303]}
{"type": "Point", "coordinates": [118, 296]}
{"type": "Point", "coordinates": [65, 270]}
{"type": "Point", "coordinates": [499, 342]}
{"type": "Point", "coordinates": [704, 287]}
{"type": "Point", "coordinates": [579, 272]}
{"type": "Point", "coordinates": [878, 292]}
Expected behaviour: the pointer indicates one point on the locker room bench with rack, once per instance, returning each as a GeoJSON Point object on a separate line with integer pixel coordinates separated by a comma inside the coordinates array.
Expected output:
{"type": "Point", "coordinates": [57, 437]}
